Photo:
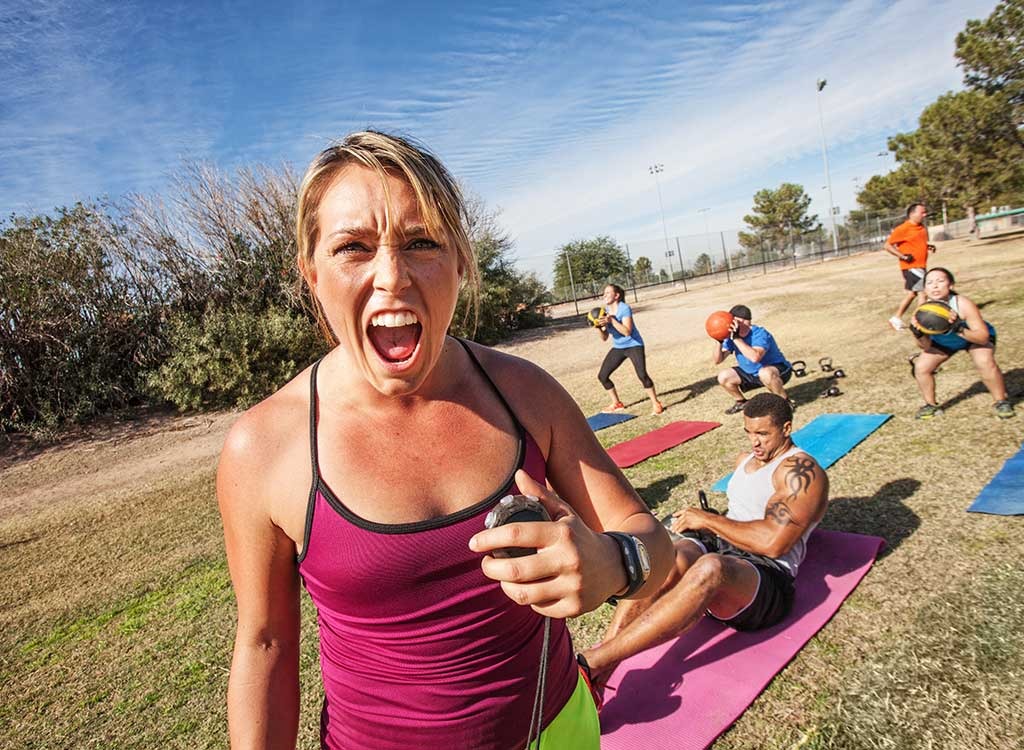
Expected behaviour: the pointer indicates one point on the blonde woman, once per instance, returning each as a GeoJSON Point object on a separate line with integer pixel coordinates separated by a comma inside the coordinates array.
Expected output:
{"type": "Point", "coordinates": [368, 479]}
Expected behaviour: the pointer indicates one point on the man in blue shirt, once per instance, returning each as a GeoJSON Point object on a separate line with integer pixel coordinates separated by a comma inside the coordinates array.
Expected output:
{"type": "Point", "coordinates": [759, 361]}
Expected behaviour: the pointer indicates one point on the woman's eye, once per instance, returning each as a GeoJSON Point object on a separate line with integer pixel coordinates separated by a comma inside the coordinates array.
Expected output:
{"type": "Point", "coordinates": [350, 248]}
{"type": "Point", "coordinates": [423, 243]}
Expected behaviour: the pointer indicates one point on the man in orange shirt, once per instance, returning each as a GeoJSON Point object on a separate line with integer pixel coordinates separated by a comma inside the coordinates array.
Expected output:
{"type": "Point", "coordinates": [909, 243]}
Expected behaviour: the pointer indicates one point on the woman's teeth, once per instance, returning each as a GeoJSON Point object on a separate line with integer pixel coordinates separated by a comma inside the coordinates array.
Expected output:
{"type": "Point", "coordinates": [394, 320]}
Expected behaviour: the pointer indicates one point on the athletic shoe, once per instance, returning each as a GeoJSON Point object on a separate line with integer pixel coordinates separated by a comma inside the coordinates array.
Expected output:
{"type": "Point", "coordinates": [617, 406]}
{"type": "Point", "coordinates": [1004, 410]}
{"type": "Point", "coordinates": [896, 323]}
{"type": "Point", "coordinates": [737, 407]}
{"type": "Point", "coordinates": [928, 411]}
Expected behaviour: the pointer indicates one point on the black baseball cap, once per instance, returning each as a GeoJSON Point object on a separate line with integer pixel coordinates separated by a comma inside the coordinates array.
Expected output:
{"type": "Point", "coordinates": [741, 311]}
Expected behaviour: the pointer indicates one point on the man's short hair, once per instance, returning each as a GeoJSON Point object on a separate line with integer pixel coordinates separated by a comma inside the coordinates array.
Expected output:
{"type": "Point", "coordinates": [741, 311]}
{"type": "Point", "coordinates": [769, 405]}
{"type": "Point", "coordinates": [911, 207]}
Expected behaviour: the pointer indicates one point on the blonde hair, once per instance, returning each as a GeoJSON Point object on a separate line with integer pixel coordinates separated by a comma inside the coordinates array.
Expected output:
{"type": "Point", "coordinates": [438, 197]}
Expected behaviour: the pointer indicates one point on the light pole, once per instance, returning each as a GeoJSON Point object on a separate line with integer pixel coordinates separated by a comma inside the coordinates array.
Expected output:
{"type": "Point", "coordinates": [707, 232]}
{"type": "Point", "coordinates": [657, 169]}
{"type": "Point", "coordinates": [824, 155]}
{"type": "Point", "coordinates": [572, 286]}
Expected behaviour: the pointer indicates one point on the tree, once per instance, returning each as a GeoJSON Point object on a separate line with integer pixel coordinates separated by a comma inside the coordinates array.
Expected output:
{"type": "Point", "coordinates": [896, 189]}
{"type": "Point", "coordinates": [703, 265]}
{"type": "Point", "coordinates": [642, 268]}
{"type": "Point", "coordinates": [508, 298]}
{"type": "Point", "coordinates": [778, 214]}
{"type": "Point", "coordinates": [991, 52]}
{"type": "Point", "coordinates": [965, 150]}
{"type": "Point", "coordinates": [594, 263]}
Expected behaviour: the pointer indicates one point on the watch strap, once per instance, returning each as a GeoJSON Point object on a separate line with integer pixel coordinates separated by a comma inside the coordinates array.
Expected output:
{"type": "Point", "coordinates": [631, 561]}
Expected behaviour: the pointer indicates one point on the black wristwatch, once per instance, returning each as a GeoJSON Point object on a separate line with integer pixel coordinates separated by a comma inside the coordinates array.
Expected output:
{"type": "Point", "coordinates": [635, 560]}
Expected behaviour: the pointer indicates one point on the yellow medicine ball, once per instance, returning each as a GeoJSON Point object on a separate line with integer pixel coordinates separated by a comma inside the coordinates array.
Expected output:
{"type": "Point", "coordinates": [934, 318]}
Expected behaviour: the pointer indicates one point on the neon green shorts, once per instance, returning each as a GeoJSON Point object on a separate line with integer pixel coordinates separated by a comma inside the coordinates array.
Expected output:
{"type": "Point", "coordinates": [576, 727]}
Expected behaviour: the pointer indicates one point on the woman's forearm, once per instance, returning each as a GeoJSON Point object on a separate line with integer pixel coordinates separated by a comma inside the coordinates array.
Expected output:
{"type": "Point", "coordinates": [263, 697]}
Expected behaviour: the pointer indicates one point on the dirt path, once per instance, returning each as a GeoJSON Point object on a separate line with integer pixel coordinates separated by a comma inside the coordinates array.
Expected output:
{"type": "Point", "coordinates": [116, 461]}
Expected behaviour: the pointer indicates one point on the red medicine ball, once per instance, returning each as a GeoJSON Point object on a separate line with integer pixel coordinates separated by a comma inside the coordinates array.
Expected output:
{"type": "Point", "coordinates": [717, 325]}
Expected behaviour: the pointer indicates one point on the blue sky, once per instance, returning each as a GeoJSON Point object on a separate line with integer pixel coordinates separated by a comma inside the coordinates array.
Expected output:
{"type": "Point", "coordinates": [551, 112]}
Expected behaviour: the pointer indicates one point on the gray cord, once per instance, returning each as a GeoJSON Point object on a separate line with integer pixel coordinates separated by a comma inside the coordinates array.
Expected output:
{"type": "Point", "coordinates": [537, 714]}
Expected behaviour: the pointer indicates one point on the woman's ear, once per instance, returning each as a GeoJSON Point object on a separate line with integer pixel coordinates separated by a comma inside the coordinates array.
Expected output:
{"type": "Point", "coordinates": [308, 270]}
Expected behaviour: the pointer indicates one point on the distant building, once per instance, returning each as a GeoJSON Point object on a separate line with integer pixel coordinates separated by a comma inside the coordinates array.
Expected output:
{"type": "Point", "coordinates": [998, 220]}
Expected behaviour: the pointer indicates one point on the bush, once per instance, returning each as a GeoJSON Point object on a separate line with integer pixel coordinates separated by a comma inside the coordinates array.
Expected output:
{"type": "Point", "coordinates": [233, 357]}
{"type": "Point", "coordinates": [75, 332]}
{"type": "Point", "coordinates": [509, 300]}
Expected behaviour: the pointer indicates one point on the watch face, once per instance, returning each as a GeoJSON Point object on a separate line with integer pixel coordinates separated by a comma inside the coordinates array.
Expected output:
{"type": "Point", "coordinates": [645, 558]}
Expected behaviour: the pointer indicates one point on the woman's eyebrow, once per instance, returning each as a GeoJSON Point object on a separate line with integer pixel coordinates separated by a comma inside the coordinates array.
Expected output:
{"type": "Point", "coordinates": [354, 231]}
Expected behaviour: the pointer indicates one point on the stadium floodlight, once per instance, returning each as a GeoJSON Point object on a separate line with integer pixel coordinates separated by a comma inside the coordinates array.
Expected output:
{"type": "Point", "coordinates": [707, 232]}
{"type": "Point", "coordinates": [656, 169]}
{"type": "Point", "coordinates": [828, 179]}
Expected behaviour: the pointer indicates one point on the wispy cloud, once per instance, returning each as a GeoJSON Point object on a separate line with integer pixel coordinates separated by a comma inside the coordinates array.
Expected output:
{"type": "Point", "coordinates": [551, 113]}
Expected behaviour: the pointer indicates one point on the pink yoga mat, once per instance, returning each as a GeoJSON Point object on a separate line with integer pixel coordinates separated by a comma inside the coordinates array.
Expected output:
{"type": "Point", "coordinates": [685, 693]}
{"type": "Point", "coordinates": [657, 441]}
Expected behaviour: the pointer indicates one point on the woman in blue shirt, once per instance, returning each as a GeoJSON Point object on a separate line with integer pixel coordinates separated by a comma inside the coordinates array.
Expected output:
{"type": "Point", "coordinates": [626, 344]}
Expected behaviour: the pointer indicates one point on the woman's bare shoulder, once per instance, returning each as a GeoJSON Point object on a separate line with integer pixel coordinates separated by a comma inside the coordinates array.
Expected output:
{"type": "Point", "coordinates": [503, 365]}
{"type": "Point", "coordinates": [538, 400]}
{"type": "Point", "coordinates": [269, 435]}
{"type": "Point", "coordinates": [519, 380]}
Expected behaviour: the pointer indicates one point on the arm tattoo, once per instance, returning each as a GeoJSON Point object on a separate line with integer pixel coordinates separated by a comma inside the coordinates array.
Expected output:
{"type": "Point", "coordinates": [799, 477]}
{"type": "Point", "coordinates": [778, 512]}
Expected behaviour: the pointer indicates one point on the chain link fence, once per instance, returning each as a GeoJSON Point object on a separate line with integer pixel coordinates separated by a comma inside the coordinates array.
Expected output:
{"type": "Point", "coordinates": [687, 262]}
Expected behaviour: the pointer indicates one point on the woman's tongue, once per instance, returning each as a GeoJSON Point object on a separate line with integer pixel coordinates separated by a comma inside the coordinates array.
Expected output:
{"type": "Point", "coordinates": [397, 343]}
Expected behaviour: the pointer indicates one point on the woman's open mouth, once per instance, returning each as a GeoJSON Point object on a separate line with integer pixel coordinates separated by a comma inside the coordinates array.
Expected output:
{"type": "Point", "coordinates": [395, 336]}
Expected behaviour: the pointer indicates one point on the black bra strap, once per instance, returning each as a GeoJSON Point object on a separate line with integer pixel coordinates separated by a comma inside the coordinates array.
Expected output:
{"type": "Point", "coordinates": [313, 404]}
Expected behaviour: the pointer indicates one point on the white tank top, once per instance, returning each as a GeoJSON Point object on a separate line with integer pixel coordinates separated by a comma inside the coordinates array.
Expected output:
{"type": "Point", "coordinates": [748, 497]}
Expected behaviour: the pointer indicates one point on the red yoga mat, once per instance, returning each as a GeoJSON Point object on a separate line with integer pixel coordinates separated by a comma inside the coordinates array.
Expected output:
{"type": "Point", "coordinates": [685, 693]}
{"type": "Point", "coordinates": [657, 441]}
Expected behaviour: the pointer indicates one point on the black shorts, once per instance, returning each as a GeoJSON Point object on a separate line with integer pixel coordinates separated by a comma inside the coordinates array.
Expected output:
{"type": "Point", "coordinates": [774, 597]}
{"type": "Point", "coordinates": [749, 382]}
{"type": "Point", "coordinates": [913, 279]}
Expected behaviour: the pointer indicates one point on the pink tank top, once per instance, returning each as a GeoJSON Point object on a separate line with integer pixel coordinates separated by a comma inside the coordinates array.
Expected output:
{"type": "Point", "coordinates": [418, 649]}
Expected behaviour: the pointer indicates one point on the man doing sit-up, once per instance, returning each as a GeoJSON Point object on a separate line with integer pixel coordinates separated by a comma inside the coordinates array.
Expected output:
{"type": "Point", "coordinates": [738, 568]}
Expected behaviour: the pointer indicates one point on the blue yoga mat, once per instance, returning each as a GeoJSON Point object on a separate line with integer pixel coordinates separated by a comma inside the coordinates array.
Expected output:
{"type": "Point", "coordinates": [605, 419]}
{"type": "Point", "coordinates": [1004, 495]}
{"type": "Point", "coordinates": [829, 437]}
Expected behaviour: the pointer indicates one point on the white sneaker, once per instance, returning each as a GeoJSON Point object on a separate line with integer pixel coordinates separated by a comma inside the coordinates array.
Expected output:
{"type": "Point", "coordinates": [896, 323]}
